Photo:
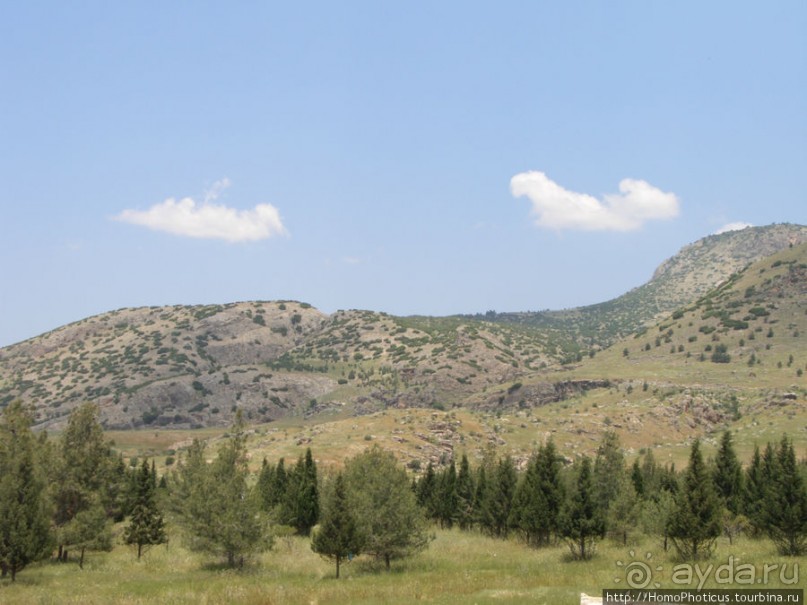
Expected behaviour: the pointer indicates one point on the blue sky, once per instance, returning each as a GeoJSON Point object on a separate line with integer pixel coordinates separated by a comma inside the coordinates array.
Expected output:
{"type": "Point", "coordinates": [408, 157]}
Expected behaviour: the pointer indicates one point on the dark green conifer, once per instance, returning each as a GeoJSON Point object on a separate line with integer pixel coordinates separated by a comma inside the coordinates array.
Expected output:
{"type": "Point", "coordinates": [146, 526]}
{"type": "Point", "coordinates": [582, 520]}
{"type": "Point", "coordinates": [24, 516]}
{"type": "Point", "coordinates": [785, 503]}
{"type": "Point", "coordinates": [728, 475]}
{"type": "Point", "coordinates": [695, 524]}
{"type": "Point", "coordinates": [465, 494]}
{"type": "Point", "coordinates": [338, 535]}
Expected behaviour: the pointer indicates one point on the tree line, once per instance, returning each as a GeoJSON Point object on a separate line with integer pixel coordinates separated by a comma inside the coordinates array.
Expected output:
{"type": "Point", "coordinates": [61, 496]}
{"type": "Point", "coordinates": [581, 502]}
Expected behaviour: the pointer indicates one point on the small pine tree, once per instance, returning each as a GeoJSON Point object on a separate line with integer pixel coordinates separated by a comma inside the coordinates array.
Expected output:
{"type": "Point", "coordinates": [695, 524]}
{"type": "Point", "coordinates": [338, 535]}
{"type": "Point", "coordinates": [146, 527]}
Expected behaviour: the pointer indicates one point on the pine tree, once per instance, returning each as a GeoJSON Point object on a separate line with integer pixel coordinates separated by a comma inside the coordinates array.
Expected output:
{"type": "Point", "coordinates": [609, 468]}
{"type": "Point", "coordinates": [785, 504]}
{"type": "Point", "coordinates": [89, 529]}
{"type": "Point", "coordinates": [24, 527]}
{"type": "Point", "coordinates": [338, 535]}
{"type": "Point", "coordinates": [146, 527]}
{"type": "Point", "coordinates": [695, 524]}
{"type": "Point", "coordinates": [389, 518]}
{"type": "Point", "coordinates": [217, 507]}
{"type": "Point", "coordinates": [582, 520]}
{"type": "Point", "coordinates": [623, 514]}
{"type": "Point", "coordinates": [85, 471]}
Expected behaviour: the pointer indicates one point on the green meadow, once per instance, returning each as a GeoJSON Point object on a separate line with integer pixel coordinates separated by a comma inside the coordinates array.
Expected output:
{"type": "Point", "coordinates": [458, 567]}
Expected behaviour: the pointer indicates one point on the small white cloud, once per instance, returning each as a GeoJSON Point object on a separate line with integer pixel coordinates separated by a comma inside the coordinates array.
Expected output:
{"type": "Point", "coordinates": [351, 260]}
{"type": "Point", "coordinates": [557, 208]}
{"type": "Point", "coordinates": [208, 220]}
{"type": "Point", "coordinates": [733, 227]}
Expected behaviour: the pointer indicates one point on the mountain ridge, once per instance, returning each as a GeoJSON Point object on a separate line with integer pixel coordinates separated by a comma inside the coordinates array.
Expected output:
{"type": "Point", "coordinates": [193, 366]}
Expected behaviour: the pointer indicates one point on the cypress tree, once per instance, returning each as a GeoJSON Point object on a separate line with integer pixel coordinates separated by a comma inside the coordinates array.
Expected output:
{"type": "Point", "coordinates": [338, 535]}
{"type": "Point", "coordinates": [582, 520]}
{"type": "Point", "coordinates": [264, 485]}
{"type": "Point", "coordinates": [785, 504]}
{"type": "Point", "coordinates": [754, 491]}
{"type": "Point", "coordinates": [695, 524]}
{"type": "Point", "coordinates": [426, 492]}
{"type": "Point", "coordinates": [465, 494]}
{"type": "Point", "coordinates": [498, 498]}
{"type": "Point", "coordinates": [24, 516]}
{"type": "Point", "coordinates": [146, 527]}
{"type": "Point", "coordinates": [304, 495]}
{"type": "Point", "coordinates": [528, 508]}
{"type": "Point", "coordinates": [637, 478]}
{"type": "Point", "coordinates": [479, 496]}
{"type": "Point", "coordinates": [728, 475]}
{"type": "Point", "coordinates": [446, 496]}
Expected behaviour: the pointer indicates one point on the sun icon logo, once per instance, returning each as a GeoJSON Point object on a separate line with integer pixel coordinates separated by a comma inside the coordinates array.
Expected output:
{"type": "Point", "coordinates": [639, 574]}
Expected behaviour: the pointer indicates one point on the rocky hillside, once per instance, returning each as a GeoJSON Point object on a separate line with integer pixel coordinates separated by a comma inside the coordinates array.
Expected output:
{"type": "Point", "coordinates": [690, 274]}
{"type": "Point", "coordinates": [194, 366]}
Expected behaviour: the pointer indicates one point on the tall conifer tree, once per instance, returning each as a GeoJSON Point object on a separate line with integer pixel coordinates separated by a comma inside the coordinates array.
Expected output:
{"type": "Point", "coordinates": [338, 535]}
{"type": "Point", "coordinates": [24, 525]}
{"type": "Point", "coordinates": [146, 527]}
{"type": "Point", "coordinates": [695, 524]}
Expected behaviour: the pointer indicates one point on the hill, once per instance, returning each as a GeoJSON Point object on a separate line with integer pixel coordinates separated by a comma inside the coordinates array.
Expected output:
{"type": "Point", "coordinates": [193, 366]}
{"type": "Point", "coordinates": [690, 274]}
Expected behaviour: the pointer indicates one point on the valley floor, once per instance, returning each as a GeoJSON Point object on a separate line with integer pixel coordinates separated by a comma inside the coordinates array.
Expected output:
{"type": "Point", "coordinates": [458, 567]}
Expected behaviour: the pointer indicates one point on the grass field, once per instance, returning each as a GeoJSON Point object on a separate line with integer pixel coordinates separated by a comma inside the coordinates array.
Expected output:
{"type": "Point", "coordinates": [458, 567]}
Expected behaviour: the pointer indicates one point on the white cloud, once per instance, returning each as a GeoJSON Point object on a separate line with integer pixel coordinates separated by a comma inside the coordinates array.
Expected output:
{"type": "Point", "coordinates": [732, 227]}
{"type": "Point", "coordinates": [557, 208]}
{"type": "Point", "coordinates": [208, 220]}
